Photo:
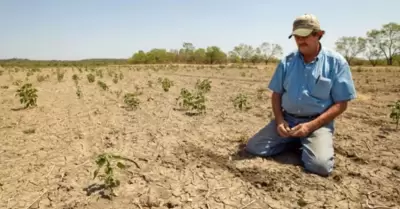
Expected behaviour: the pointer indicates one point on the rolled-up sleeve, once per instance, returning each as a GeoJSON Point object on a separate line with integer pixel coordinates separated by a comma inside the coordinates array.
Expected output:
{"type": "Point", "coordinates": [276, 83]}
{"type": "Point", "coordinates": [343, 88]}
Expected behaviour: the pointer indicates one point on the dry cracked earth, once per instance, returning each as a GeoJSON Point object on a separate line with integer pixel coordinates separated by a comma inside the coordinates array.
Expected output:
{"type": "Point", "coordinates": [181, 161]}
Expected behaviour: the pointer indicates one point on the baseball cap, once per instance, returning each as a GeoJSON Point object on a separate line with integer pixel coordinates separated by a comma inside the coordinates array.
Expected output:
{"type": "Point", "coordinates": [304, 25]}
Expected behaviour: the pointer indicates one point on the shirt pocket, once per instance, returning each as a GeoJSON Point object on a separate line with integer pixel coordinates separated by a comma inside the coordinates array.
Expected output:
{"type": "Point", "coordinates": [322, 89]}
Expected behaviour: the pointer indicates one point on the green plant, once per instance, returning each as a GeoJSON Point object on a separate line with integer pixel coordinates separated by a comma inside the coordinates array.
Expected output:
{"type": "Point", "coordinates": [194, 101]}
{"type": "Point", "coordinates": [60, 75]}
{"type": "Point", "coordinates": [115, 79]}
{"type": "Point", "coordinates": [102, 85]}
{"type": "Point", "coordinates": [395, 112]}
{"type": "Point", "coordinates": [41, 78]}
{"type": "Point", "coordinates": [260, 92]}
{"type": "Point", "coordinates": [75, 78]}
{"type": "Point", "coordinates": [108, 175]}
{"type": "Point", "coordinates": [28, 95]}
{"type": "Point", "coordinates": [166, 84]}
{"type": "Point", "coordinates": [240, 102]}
{"type": "Point", "coordinates": [79, 92]}
{"type": "Point", "coordinates": [91, 78]}
{"type": "Point", "coordinates": [131, 101]}
{"type": "Point", "coordinates": [99, 73]}
{"type": "Point", "coordinates": [204, 86]}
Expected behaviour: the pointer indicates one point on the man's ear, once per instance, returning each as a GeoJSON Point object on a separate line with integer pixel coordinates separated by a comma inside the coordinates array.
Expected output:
{"type": "Point", "coordinates": [321, 33]}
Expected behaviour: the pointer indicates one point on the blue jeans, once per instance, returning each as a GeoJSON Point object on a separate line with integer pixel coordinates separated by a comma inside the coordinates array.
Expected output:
{"type": "Point", "coordinates": [317, 148]}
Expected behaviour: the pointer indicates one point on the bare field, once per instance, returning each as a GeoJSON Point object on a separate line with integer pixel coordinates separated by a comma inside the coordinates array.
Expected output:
{"type": "Point", "coordinates": [48, 152]}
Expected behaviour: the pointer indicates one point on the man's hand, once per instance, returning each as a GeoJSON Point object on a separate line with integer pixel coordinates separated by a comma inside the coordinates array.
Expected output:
{"type": "Point", "coordinates": [301, 130]}
{"type": "Point", "coordinates": [283, 129]}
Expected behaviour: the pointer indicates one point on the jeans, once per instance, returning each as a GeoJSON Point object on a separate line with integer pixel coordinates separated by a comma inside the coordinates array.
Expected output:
{"type": "Point", "coordinates": [317, 148]}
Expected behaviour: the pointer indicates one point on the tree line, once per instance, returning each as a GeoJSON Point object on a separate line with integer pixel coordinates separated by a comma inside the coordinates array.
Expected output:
{"type": "Point", "coordinates": [189, 54]}
{"type": "Point", "coordinates": [378, 47]}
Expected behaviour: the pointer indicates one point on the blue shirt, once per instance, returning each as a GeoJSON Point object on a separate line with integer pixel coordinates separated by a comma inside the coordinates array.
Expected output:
{"type": "Point", "coordinates": [311, 88]}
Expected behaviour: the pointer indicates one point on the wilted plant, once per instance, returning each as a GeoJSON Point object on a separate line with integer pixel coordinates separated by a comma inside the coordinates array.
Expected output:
{"type": "Point", "coordinates": [107, 176]}
{"type": "Point", "coordinates": [27, 95]}
{"type": "Point", "coordinates": [91, 78]}
{"type": "Point", "coordinates": [240, 102]}
{"type": "Point", "coordinates": [204, 86]}
{"type": "Point", "coordinates": [166, 84]}
{"type": "Point", "coordinates": [131, 101]}
{"type": "Point", "coordinates": [395, 112]}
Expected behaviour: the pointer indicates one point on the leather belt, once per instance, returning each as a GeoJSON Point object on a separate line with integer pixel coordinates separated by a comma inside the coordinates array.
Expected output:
{"type": "Point", "coordinates": [301, 116]}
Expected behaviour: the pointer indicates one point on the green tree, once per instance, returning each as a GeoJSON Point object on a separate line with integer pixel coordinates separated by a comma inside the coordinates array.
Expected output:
{"type": "Point", "coordinates": [138, 58]}
{"type": "Point", "coordinates": [200, 56]}
{"type": "Point", "coordinates": [350, 46]}
{"type": "Point", "coordinates": [215, 55]}
{"type": "Point", "coordinates": [270, 51]}
{"type": "Point", "coordinates": [244, 52]}
{"type": "Point", "coordinates": [386, 40]}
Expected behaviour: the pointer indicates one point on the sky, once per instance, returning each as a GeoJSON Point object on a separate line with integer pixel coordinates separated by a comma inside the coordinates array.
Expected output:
{"type": "Point", "coordinates": [82, 29]}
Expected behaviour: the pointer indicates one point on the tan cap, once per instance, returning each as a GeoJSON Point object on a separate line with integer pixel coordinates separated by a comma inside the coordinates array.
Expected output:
{"type": "Point", "coordinates": [304, 25]}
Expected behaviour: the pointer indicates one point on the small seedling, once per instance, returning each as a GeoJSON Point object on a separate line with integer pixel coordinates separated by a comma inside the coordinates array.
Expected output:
{"type": "Point", "coordinates": [102, 85]}
{"type": "Point", "coordinates": [75, 78]}
{"type": "Point", "coordinates": [79, 93]}
{"type": "Point", "coordinates": [395, 113]}
{"type": "Point", "coordinates": [166, 84]}
{"type": "Point", "coordinates": [91, 78]}
{"type": "Point", "coordinates": [99, 73]}
{"type": "Point", "coordinates": [108, 161]}
{"type": "Point", "coordinates": [204, 86]}
{"type": "Point", "coordinates": [60, 75]}
{"type": "Point", "coordinates": [131, 101]}
{"type": "Point", "coordinates": [240, 102]}
{"type": "Point", "coordinates": [115, 79]}
{"type": "Point", "coordinates": [27, 95]}
{"type": "Point", "coordinates": [192, 101]}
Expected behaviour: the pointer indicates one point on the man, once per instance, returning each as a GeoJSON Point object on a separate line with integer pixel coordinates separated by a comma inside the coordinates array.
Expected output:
{"type": "Point", "coordinates": [311, 87]}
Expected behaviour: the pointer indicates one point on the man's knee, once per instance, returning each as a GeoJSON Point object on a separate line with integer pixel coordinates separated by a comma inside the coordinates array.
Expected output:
{"type": "Point", "coordinates": [320, 166]}
{"type": "Point", "coordinates": [318, 153]}
{"type": "Point", "coordinates": [265, 142]}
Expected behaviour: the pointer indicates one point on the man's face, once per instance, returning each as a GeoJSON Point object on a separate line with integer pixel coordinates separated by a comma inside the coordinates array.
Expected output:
{"type": "Point", "coordinates": [308, 44]}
